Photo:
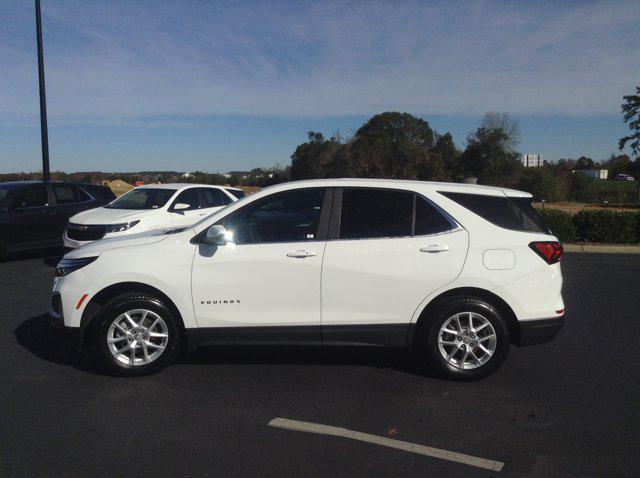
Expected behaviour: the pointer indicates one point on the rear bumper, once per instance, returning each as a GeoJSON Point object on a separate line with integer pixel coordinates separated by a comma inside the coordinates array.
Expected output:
{"type": "Point", "coordinates": [533, 332]}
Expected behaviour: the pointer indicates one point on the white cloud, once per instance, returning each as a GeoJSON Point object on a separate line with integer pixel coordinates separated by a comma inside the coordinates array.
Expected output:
{"type": "Point", "coordinates": [116, 62]}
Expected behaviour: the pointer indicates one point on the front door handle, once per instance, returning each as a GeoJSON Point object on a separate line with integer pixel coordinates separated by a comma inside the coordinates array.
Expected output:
{"type": "Point", "coordinates": [301, 254]}
{"type": "Point", "coordinates": [435, 248]}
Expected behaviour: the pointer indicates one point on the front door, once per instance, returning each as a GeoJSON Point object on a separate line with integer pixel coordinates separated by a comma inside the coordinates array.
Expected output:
{"type": "Point", "coordinates": [32, 219]}
{"type": "Point", "coordinates": [391, 250]}
{"type": "Point", "coordinates": [264, 286]}
{"type": "Point", "coordinates": [191, 215]}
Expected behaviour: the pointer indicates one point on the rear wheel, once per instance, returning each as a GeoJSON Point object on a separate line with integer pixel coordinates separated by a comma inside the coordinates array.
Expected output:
{"type": "Point", "coordinates": [466, 339]}
{"type": "Point", "coordinates": [135, 335]}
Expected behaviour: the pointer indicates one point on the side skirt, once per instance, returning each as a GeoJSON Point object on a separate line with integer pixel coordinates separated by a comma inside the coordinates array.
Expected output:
{"type": "Point", "coordinates": [377, 335]}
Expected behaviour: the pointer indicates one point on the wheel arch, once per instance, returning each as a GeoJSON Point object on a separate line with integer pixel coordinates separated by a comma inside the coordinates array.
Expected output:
{"type": "Point", "coordinates": [102, 298]}
{"type": "Point", "coordinates": [470, 292]}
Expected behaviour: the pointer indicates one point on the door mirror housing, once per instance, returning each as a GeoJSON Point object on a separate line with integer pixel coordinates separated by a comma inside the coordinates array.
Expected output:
{"type": "Point", "coordinates": [181, 206]}
{"type": "Point", "coordinates": [216, 235]}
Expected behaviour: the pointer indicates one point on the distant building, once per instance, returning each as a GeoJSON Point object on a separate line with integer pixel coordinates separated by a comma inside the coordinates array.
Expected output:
{"type": "Point", "coordinates": [532, 160]}
{"type": "Point", "coordinates": [240, 174]}
{"type": "Point", "coordinates": [594, 173]}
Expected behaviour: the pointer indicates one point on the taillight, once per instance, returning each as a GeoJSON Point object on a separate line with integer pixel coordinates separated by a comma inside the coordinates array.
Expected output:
{"type": "Point", "coordinates": [550, 251]}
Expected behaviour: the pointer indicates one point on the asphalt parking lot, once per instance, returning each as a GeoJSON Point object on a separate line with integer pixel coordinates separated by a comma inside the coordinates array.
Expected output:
{"type": "Point", "coordinates": [566, 408]}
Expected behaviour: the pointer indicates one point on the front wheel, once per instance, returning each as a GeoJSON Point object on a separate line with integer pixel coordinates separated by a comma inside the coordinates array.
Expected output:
{"type": "Point", "coordinates": [466, 339]}
{"type": "Point", "coordinates": [135, 335]}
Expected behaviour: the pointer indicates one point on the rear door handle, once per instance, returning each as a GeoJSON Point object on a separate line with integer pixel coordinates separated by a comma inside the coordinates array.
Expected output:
{"type": "Point", "coordinates": [301, 254]}
{"type": "Point", "coordinates": [435, 248]}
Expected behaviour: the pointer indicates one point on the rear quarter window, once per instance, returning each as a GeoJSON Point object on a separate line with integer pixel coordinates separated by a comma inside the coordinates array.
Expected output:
{"type": "Point", "coordinates": [429, 220]}
{"type": "Point", "coordinates": [238, 193]}
{"type": "Point", "coordinates": [510, 213]}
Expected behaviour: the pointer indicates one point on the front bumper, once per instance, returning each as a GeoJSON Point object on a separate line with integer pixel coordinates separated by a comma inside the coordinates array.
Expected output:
{"type": "Point", "coordinates": [533, 332]}
{"type": "Point", "coordinates": [56, 315]}
{"type": "Point", "coordinates": [55, 309]}
{"type": "Point", "coordinates": [72, 243]}
{"type": "Point", "coordinates": [69, 297]}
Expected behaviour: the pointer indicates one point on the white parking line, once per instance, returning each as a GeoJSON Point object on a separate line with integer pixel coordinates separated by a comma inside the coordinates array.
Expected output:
{"type": "Point", "coordinates": [318, 428]}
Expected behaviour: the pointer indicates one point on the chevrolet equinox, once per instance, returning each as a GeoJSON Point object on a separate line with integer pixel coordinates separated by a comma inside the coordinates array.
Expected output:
{"type": "Point", "coordinates": [455, 272]}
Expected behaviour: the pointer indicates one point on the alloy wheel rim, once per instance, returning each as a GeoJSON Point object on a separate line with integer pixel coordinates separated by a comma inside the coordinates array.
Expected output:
{"type": "Point", "coordinates": [467, 340]}
{"type": "Point", "coordinates": [137, 337]}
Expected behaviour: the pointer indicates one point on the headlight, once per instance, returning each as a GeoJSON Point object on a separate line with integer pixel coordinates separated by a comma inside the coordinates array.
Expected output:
{"type": "Point", "coordinates": [120, 227]}
{"type": "Point", "coordinates": [67, 266]}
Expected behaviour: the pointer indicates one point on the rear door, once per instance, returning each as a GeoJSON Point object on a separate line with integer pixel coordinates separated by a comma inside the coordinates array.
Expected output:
{"type": "Point", "coordinates": [387, 250]}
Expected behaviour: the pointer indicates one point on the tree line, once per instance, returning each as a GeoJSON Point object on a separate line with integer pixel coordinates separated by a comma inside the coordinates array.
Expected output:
{"type": "Point", "coordinates": [401, 146]}
{"type": "Point", "coordinates": [397, 145]}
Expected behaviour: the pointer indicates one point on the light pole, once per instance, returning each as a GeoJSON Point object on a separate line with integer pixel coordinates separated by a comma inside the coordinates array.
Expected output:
{"type": "Point", "coordinates": [46, 176]}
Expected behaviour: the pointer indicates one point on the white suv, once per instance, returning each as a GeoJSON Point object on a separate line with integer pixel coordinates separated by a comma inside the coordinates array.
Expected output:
{"type": "Point", "coordinates": [149, 207]}
{"type": "Point", "coordinates": [454, 272]}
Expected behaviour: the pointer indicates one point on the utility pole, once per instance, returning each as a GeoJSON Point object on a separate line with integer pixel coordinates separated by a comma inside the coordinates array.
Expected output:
{"type": "Point", "coordinates": [46, 175]}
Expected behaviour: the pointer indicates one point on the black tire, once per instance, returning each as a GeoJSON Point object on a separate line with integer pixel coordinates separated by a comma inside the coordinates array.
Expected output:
{"type": "Point", "coordinates": [113, 310]}
{"type": "Point", "coordinates": [429, 350]}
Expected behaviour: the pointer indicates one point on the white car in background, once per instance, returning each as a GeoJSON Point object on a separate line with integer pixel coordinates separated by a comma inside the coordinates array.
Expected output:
{"type": "Point", "coordinates": [153, 206]}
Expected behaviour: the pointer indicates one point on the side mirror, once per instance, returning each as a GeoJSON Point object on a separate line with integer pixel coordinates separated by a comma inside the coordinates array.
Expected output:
{"type": "Point", "coordinates": [216, 235]}
{"type": "Point", "coordinates": [180, 206]}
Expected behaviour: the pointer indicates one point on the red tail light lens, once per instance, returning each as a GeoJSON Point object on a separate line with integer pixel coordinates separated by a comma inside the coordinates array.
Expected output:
{"type": "Point", "coordinates": [550, 251]}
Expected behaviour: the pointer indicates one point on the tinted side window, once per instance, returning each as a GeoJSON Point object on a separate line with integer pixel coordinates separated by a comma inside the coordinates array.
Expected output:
{"type": "Point", "coordinates": [226, 199]}
{"type": "Point", "coordinates": [369, 213]}
{"type": "Point", "coordinates": [238, 193]}
{"type": "Point", "coordinates": [291, 216]}
{"type": "Point", "coordinates": [525, 205]}
{"type": "Point", "coordinates": [30, 197]}
{"type": "Point", "coordinates": [190, 197]}
{"type": "Point", "coordinates": [499, 210]}
{"type": "Point", "coordinates": [84, 196]}
{"type": "Point", "coordinates": [66, 194]}
{"type": "Point", "coordinates": [212, 197]}
{"type": "Point", "coordinates": [428, 219]}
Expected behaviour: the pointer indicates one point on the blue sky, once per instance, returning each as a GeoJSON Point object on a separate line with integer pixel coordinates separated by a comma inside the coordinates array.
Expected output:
{"type": "Point", "coordinates": [233, 85]}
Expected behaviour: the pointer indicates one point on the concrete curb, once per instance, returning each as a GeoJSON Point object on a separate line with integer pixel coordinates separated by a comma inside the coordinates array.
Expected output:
{"type": "Point", "coordinates": [602, 249]}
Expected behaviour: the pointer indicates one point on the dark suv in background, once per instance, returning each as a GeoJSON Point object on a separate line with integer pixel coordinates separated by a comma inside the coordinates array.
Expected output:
{"type": "Point", "coordinates": [33, 214]}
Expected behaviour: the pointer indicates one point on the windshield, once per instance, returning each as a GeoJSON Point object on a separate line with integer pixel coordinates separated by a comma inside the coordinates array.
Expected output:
{"type": "Point", "coordinates": [143, 198]}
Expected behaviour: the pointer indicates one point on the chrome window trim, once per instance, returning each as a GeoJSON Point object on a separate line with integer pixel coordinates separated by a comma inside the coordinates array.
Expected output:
{"type": "Point", "coordinates": [455, 225]}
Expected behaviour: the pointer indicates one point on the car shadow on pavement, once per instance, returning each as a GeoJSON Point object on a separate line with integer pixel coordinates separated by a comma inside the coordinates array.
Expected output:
{"type": "Point", "coordinates": [51, 256]}
{"type": "Point", "coordinates": [40, 337]}
{"type": "Point", "coordinates": [43, 339]}
{"type": "Point", "coordinates": [395, 359]}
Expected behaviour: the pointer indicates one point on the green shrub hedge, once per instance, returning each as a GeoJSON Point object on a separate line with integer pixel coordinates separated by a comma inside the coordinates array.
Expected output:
{"type": "Point", "coordinates": [560, 223]}
{"type": "Point", "coordinates": [607, 226]}
{"type": "Point", "coordinates": [611, 227]}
